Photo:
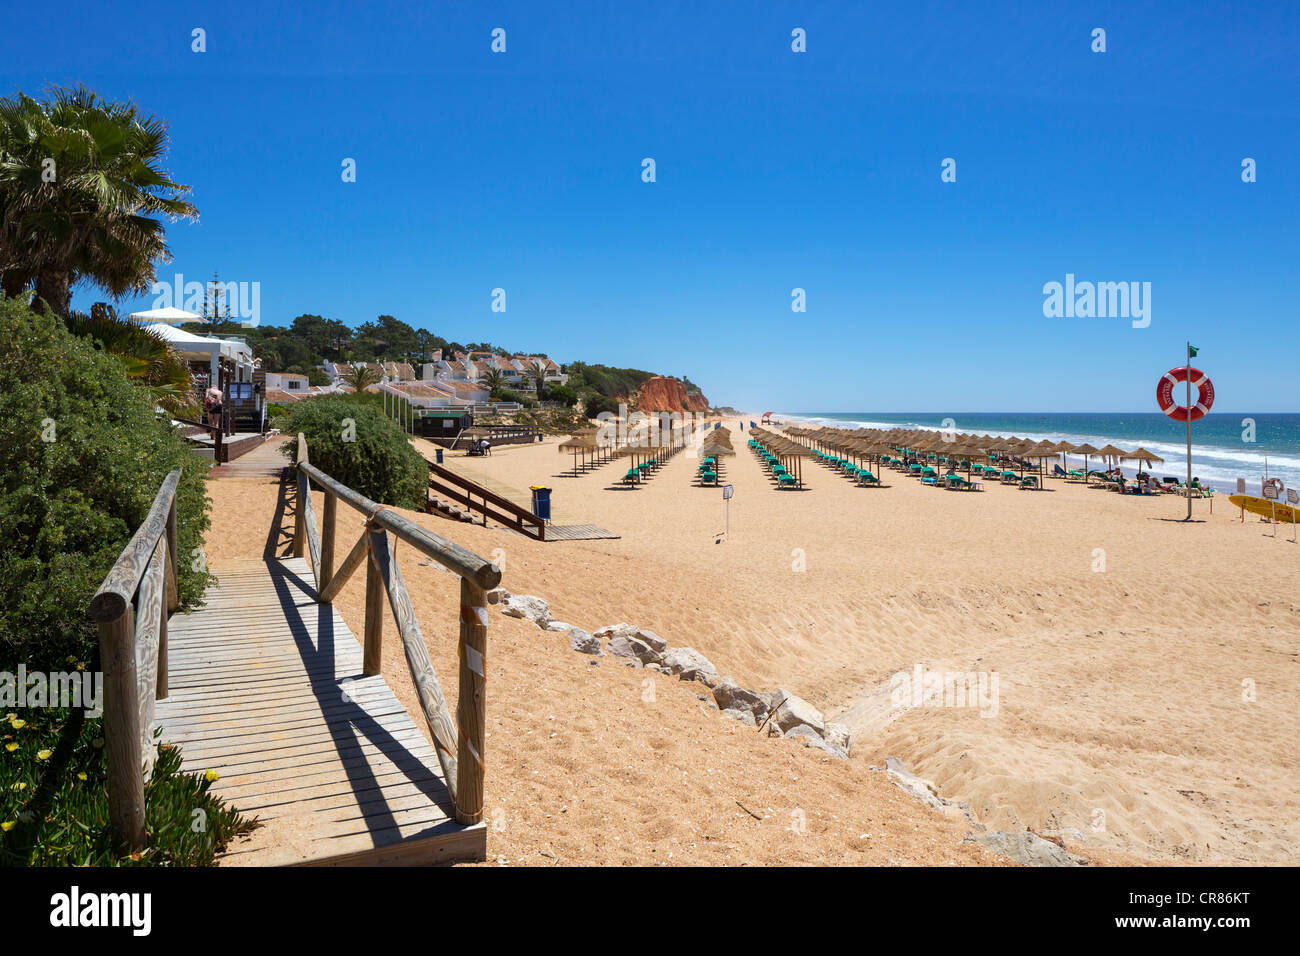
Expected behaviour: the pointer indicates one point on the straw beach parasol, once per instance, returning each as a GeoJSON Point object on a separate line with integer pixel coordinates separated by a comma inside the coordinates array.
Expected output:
{"type": "Point", "coordinates": [1086, 451]}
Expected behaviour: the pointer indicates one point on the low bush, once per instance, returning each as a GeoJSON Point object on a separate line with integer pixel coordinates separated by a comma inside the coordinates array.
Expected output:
{"type": "Point", "coordinates": [54, 801]}
{"type": "Point", "coordinates": [352, 441]}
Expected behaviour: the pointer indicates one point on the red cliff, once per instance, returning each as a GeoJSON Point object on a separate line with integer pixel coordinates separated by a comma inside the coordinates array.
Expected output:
{"type": "Point", "coordinates": [661, 394]}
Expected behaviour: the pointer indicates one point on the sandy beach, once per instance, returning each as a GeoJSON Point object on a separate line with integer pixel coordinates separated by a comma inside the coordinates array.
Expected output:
{"type": "Point", "coordinates": [1146, 699]}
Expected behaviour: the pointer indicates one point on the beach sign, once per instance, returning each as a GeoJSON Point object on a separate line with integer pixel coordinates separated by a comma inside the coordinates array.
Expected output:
{"type": "Point", "coordinates": [729, 490]}
{"type": "Point", "coordinates": [1270, 492]}
{"type": "Point", "coordinates": [1241, 486]}
{"type": "Point", "coordinates": [1292, 496]}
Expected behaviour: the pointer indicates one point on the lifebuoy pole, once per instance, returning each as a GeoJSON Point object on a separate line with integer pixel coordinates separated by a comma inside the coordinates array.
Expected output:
{"type": "Point", "coordinates": [1189, 431]}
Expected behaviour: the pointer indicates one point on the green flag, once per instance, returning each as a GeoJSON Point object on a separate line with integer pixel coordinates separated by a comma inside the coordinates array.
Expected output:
{"type": "Point", "coordinates": [1192, 350]}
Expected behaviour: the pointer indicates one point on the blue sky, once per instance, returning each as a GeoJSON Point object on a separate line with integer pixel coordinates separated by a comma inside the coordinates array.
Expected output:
{"type": "Point", "coordinates": [775, 170]}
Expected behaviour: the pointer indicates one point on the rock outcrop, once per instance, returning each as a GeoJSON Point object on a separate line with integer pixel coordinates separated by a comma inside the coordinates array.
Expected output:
{"type": "Point", "coordinates": [661, 394]}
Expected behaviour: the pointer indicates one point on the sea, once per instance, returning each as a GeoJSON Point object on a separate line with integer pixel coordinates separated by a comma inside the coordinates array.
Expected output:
{"type": "Point", "coordinates": [1225, 447]}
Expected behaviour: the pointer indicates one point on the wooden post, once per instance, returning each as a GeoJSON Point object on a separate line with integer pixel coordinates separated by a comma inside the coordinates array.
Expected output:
{"type": "Point", "coordinates": [375, 596]}
{"type": "Point", "coordinates": [300, 523]}
{"type": "Point", "coordinates": [326, 569]}
{"type": "Point", "coordinates": [122, 731]}
{"type": "Point", "coordinates": [470, 711]}
{"type": "Point", "coordinates": [173, 595]}
{"type": "Point", "coordinates": [300, 509]}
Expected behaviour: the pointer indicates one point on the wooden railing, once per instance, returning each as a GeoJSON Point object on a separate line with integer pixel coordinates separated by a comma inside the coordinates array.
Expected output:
{"type": "Point", "coordinates": [458, 743]}
{"type": "Point", "coordinates": [489, 504]}
{"type": "Point", "coordinates": [131, 609]}
{"type": "Point", "coordinates": [216, 434]}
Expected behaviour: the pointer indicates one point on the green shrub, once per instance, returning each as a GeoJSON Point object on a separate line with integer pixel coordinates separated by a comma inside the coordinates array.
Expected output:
{"type": "Point", "coordinates": [372, 455]}
{"type": "Point", "coordinates": [564, 394]}
{"type": "Point", "coordinates": [594, 403]}
{"type": "Point", "coordinates": [82, 454]}
{"type": "Point", "coordinates": [54, 803]}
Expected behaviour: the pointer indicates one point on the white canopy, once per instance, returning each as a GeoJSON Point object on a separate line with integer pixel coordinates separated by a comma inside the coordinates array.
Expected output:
{"type": "Point", "coordinates": [169, 316]}
{"type": "Point", "coordinates": [197, 346]}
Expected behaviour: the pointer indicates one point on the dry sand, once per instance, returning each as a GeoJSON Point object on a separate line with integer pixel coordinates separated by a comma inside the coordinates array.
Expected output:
{"type": "Point", "coordinates": [1153, 705]}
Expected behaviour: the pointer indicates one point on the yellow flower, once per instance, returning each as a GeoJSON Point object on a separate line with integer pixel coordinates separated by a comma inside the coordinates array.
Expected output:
{"type": "Point", "coordinates": [11, 747]}
{"type": "Point", "coordinates": [8, 825]}
{"type": "Point", "coordinates": [81, 776]}
{"type": "Point", "coordinates": [17, 724]}
{"type": "Point", "coordinates": [44, 754]}
{"type": "Point", "coordinates": [211, 776]}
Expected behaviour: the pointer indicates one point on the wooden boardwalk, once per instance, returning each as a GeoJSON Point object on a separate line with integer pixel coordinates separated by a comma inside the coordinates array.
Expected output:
{"type": "Point", "coordinates": [264, 461]}
{"type": "Point", "coordinates": [266, 689]}
{"type": "Point", "coordinates": [577, 532]}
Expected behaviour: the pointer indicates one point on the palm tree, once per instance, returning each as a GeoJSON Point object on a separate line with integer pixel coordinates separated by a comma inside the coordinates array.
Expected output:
{"type": "Point", "coordinates": [148, 358]}
{"type": "Point", "coordinates": [537, 375]}
{"type": "Point", "coordinates": [362, 376]}
{"type": "Point", "coordinates": [492, 380]}
{"type": "Point", "coordinates": [81, 183]}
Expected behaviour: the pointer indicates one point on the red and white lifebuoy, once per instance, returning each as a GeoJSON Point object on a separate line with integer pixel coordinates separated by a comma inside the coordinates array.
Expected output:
{"type": "Point", "coordinates": [1176, 376]}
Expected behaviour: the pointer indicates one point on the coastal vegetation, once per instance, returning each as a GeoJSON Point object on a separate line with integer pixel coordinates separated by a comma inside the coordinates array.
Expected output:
{"type": "Point", "coordinates": [82, 454]}
{"type": "Point", "coordinates": [352, 440]}
{"type": "Point", "coordinates": [83, 194]}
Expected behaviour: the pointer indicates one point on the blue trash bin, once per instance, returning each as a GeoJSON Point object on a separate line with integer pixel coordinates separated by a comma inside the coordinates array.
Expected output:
{"type": "Point", "coordinates": [541, 501]}
{"type": "Point", "coordinates": [437, 455]}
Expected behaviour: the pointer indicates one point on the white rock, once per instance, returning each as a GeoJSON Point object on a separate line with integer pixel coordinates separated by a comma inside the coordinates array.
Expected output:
{"type": "Point", "coordinates": [584, 643]}
{"type": "Point", "coordinates": [795, 711]}
{"type": "Point", "coordinates": [731, 697]}
{"type": "Point", "coordinates": [689, 664]}
{"type": "Point", "coordinates": [744, 716]}
{"type": "Point", "coordinates": [1027, 848]}
{"type": "Point", "coordinates": [610, 631]}
{"type": "Point", "coordinates": [527, 606]}
{"type": "Point", "coordinates": [652, 640]}
{"type": "Point", "coordinates": [498, 596]}
{"type": "Point", "coordinates": [559, 626]}
{"type": "Point", "coordinates": [810, 738]}
{"type": "Point", "coordinates": [624, 645]}
{"type": "Point", "coordinates": [837, 735]}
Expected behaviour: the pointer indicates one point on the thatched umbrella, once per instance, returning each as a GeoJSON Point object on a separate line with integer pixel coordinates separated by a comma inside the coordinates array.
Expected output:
{"type": "Point", "coordinates": [1086, 451]}
{"type": "Point", "coordinates": [579, 445]}
{"type": "Point", "coordinates": [1111, 452]}
{"type": "Point", "coordinates": [1146, 457]}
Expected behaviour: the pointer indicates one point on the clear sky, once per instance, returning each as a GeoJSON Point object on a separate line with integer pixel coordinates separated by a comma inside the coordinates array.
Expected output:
{"type": "Point", "coordinates": [775, 170]}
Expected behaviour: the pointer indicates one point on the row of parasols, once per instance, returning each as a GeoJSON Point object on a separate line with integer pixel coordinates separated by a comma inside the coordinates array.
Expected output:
{"type": "Point", "coordinates": [917, 443]}
{"type": "Point", "coordinates": [593, 447]}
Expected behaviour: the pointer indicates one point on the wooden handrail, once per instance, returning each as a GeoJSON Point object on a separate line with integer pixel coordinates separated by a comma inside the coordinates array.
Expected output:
{"type": "Point", "coordinates": [457, 743]}
{"type": "Point", "coordinates": [131, 609]}
{"type": "Point", "coordinates": [462, 491]}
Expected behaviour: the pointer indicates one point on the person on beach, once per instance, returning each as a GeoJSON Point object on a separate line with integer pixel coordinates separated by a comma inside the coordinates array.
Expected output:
{"type": "Point", "coordinates": [212, 405]}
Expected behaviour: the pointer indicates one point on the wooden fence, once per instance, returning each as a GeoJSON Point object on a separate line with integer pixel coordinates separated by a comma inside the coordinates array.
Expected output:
{"type": "Point", "coordinates": [489, 504]}
{"type": "Point", "coordinates": [458, 743]}
{"type": "Point", "coordinates": [131, 609]}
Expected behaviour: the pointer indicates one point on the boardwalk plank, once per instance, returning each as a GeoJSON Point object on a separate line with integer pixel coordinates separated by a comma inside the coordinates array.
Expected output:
{"type": "Point", "coordinates": [257, 680]}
